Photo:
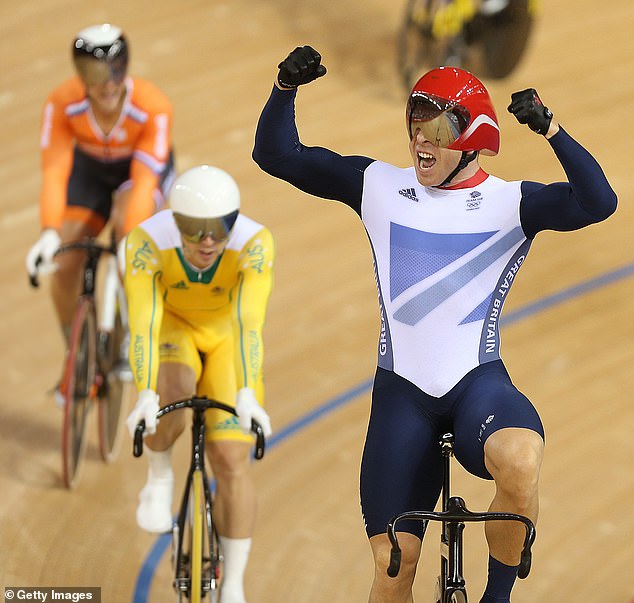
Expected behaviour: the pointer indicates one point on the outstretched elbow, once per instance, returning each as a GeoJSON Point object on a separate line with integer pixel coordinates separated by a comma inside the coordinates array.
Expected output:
{"type": "Point", "coordinates": [608, 205]}
{"type": "Point", "coordinates": [273, 163]}
{"type": "Point", "coordinates": [261, 159]}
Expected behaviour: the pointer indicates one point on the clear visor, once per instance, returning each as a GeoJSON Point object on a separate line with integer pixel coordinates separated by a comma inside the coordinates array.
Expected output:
{"type": "Point", "coordinates": [194, 230]}
{"type": "Point", "coordinates": [94, 72]}
{"type": "Point", "coordinates": [440, 121]}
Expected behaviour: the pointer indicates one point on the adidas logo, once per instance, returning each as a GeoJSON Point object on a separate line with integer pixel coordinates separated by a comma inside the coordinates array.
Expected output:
{"type": "Point", "coordinates": [409, 193]}
{"type": "Point", "coordinates": [179, 285]}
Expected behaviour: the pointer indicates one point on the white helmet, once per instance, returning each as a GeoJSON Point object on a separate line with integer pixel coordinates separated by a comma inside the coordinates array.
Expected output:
{"type": "Point", "coordinates": [205, 201]}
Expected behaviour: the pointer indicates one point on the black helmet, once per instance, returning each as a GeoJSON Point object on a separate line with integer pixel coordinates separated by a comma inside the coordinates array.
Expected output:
{"type": "Point", "coordinates": [100, 53]}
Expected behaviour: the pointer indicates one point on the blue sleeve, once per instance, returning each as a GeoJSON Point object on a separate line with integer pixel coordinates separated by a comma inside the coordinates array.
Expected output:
{"type": "Point", "coordinates": [314, 170]}
{"type": "Point", "coordinates": [585, 199]}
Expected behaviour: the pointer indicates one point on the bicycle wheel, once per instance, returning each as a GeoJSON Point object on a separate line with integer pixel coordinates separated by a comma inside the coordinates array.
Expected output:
{"type": "Point", "coordinates": [197, 527]}
{"type": "Point", "coordinates": [504, 37]}
{"type": "Point", "coordinates": [213, 562]}
{"type": "Point", "coordinates": [431, 35]}
{"type": "Point", "coordinates": [188, 556]}
{"type": "Point", "coordinates": [415, 40]}
{"type": "Point", "coordinates": [458, 596]}
{"type": "Point", "coordinates": [111, 392]}
{"type": "Point", "coordinates": [79, 388]}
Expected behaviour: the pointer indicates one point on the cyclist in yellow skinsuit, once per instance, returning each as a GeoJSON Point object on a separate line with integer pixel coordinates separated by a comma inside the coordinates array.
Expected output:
{"type": "Point", "coordinates": [197, 279]}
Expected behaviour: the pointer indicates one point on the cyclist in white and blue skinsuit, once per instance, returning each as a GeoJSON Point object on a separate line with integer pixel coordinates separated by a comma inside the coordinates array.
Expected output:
{"type": "Point", "coordinates": [447, 240]}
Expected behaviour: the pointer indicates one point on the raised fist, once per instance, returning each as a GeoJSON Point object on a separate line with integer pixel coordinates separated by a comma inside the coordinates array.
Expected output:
{"type": "Point", "coordinates": [529, 109]}
{"type": "Point", "coordinates": [301, 66]}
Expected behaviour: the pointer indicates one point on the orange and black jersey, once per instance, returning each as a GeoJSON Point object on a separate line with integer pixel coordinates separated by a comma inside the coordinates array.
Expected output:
{"type": "Point", "coordinates": [142, 135]}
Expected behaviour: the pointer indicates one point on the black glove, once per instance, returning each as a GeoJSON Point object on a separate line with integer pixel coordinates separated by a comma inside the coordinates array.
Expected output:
{"type": "Point", "coordinates": [303, 65]}
{"type": "Point", "coordinates": [529, 109]}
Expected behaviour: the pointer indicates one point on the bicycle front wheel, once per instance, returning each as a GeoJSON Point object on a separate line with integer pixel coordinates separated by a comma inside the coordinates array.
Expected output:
{"type": "Point", "coordinates": [213, 560]}
{"type": "Point", "coordinates": [196, 537]}
{"type": "Point", "coordinates": [112, 391]}
{"type": "Point", "coordinates": [79, 388]}
{"type": "Point", "coordinates": [431, 35]}
{"type": "Point", "coordinates": [414, 40]}
{"type": "Point", "coordinates": [191, 579]}
{"type": "Point", "coordinates": [458, 596]}
{"type": "Point", "coordinates": [505, 37]}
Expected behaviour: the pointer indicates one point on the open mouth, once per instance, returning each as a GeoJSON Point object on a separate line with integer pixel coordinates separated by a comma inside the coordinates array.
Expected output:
{"type": "Point", "coordinates": [426, 160]}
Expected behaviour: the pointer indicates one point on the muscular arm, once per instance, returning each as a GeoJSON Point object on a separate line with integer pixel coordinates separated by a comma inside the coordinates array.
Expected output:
{"type": "Point", "coordinates": [586, 198]}
{"type": "Point", "coordinates": [144, 292]}
{"type": "Point", "coordinates": [315, 170]}
{"type": "Point", "coordinates": [250, 302]}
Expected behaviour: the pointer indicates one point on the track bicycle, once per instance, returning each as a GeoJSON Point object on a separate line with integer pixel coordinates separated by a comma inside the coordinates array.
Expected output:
{"type": "Point", "coordinates": [96, 352]}
{"type": "Point", "coordinates": [450, 585]}
{"type": "Point", "coordinates": [487, 37]}
{"type": "Point", "coordinates": [196, 553]}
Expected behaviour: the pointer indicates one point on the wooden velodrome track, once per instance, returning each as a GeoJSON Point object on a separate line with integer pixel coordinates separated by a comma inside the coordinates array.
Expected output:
{"type": "Point", "coordinates": [569, 345]}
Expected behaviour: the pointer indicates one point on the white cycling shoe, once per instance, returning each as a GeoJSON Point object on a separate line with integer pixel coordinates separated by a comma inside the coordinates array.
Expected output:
{"type": "Point", "coordinates": [154, 513]}
{"type": "Point", "coordinates": [230, 597]}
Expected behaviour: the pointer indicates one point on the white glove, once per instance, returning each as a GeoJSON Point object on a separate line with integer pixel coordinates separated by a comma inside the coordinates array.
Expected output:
{"type": "Point", "coordinates": [147, 405]}
{"type": "Point", "coordinates": [248, 408]}
{"type": "Point", "coordinates": [39, 259]}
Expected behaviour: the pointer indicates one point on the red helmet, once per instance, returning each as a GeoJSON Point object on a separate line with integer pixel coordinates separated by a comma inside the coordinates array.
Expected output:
{"type": "Point", "coordinates": [454, 110]}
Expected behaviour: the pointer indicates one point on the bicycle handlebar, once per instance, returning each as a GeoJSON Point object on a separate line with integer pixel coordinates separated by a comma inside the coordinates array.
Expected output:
{"type": "Point", "coordinates": [457, 512]}
{"type": "Point", "coordinates": [34, 278]}
{"type": "Point", "coordinates": [90, 245]}
{"type": "Point", "coordinates": [198, 404]}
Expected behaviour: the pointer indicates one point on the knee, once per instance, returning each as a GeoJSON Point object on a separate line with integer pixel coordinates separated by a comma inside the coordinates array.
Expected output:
{"type": "Point", "coordinates": [168, 430]}
{"type": "Point", "coordinates": [66, 276]}
{"type": "Point", "coordinates": [410, 547]}
{"type": "Point", "coordinates": [229, 460]}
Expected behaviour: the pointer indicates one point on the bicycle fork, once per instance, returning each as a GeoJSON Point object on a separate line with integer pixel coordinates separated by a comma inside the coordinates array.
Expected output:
{"type": "Point", "coordinates": [196, 561]}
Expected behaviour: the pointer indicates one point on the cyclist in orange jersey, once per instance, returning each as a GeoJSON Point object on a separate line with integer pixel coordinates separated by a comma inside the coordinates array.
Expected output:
{"type": "Point", "coordinates": [106, 156]}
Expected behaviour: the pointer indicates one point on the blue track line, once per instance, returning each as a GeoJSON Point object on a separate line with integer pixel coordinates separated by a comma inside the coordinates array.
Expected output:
{"type": "Point", "coordinates": [146, 573]}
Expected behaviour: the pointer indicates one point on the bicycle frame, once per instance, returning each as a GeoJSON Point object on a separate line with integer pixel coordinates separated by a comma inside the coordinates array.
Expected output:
{"type": "Point", "coordinates": [454, 515]}
{"type": "Point", "coordinates": [93, 349]}
{"type": "Point", "coordinates": [200, 503]}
